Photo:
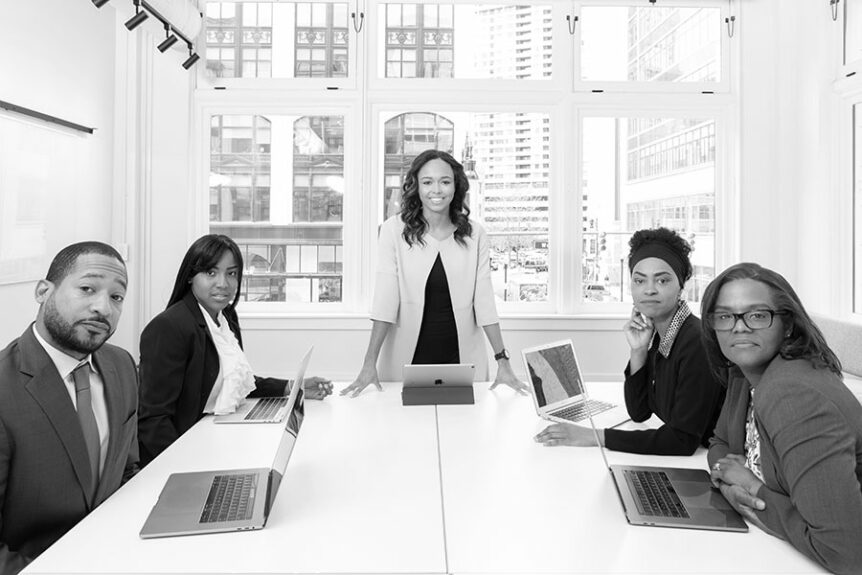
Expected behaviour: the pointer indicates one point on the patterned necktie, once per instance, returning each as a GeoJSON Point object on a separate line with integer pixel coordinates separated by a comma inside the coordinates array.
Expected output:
{"type": "Point", "coordinates": [88, 420]}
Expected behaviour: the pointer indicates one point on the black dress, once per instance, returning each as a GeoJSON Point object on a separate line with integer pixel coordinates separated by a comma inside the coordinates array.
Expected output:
{"type": "Point", "coordinates": [438, 336]}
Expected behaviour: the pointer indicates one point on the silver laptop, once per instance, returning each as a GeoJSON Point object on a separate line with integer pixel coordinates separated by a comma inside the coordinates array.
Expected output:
{"type": "Point", "coordinates": [559, 393]}
{"type": "Point", "coordinates": [266, 409]}
{"type": "Point", "coordinates": [671, 497]}
{"type": "Point", "coordinates": [446, 374]}
{"type": "Point", "coordinates": [227, 500]}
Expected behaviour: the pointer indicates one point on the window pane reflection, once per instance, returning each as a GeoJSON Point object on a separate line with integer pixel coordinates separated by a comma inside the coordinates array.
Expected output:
{"type": "Point", "coordinates": [285, 215]}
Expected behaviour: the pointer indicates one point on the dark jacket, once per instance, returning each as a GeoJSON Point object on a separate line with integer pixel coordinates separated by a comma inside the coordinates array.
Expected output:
{"type": "Point", "coordinates": [680, 389]}
{"type": "Point", "coordinates": [44, 466]}
{"type": "Point", "coordinates": [810, 428]}
{"type": "Point", "coordinates": [179, 366]}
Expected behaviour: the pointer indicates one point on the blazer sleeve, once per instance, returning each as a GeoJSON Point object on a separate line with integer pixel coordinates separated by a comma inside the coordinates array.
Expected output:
{"type": "Point", "coordinates": [720, 444]}
{"type": "Point", "coordinates": [820, 511]}
{"type": "Point", "coordinates": [165, 349]}
{"type": "Point", "coordinates": [387, 298]}
{"type": "Point", "coordinates": [484, 304]}
{"type": "Point", "coordinates": [10, 561]}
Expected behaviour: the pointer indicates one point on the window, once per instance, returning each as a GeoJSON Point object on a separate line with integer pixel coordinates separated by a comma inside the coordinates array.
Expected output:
{"type": "Point", "coordinates": [560, 173]}
{"type": "Point", "coordinates": [509, 198]}
{"type": "Point", "coordinates": [282, 204]}
{"type": "Point", "coordinates": [466, 41]}
{"type": "Point", "coordinates": [277, 39]}
{"type": "Point", "coordinates": [667, 179]}
{"type": "Point", "coordinates": [651, 44]}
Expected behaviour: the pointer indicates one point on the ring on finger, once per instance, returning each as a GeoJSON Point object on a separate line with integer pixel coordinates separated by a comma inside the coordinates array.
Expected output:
{"type": "Point", "coordinates": [716, 466]}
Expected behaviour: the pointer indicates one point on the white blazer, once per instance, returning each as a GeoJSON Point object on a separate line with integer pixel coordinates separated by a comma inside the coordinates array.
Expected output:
{"type": "Point", "coordinates": [399, 294]}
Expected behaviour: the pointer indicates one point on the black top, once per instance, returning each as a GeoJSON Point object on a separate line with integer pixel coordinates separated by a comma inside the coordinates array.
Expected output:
{"type": "Point", "coordinates": [438, 336]}
{"type": "Point", "coordinates": [680, 390]}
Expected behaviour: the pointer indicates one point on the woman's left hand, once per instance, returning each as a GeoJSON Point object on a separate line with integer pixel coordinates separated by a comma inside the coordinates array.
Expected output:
{"type": "Point", "coordinates": [731, 470]}
{"type": "Point", "coordinates": [316, 387]}
{"type": "Point", "coordinates": [566, 434]}
{"type": "Point", "coordinates": [506, 376]}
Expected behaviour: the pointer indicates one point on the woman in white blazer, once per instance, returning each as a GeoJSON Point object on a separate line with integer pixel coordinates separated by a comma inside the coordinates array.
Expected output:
{"type": "Point", "coordinates": [433, 295]}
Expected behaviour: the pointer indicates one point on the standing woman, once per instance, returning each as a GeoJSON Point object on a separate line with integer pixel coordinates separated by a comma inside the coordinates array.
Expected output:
{"type": "Point", "coordinates": [192, 360]}
{"type": "Point", "coordinates": [787, 450]}
{"type": "Point", "coordinates": [668, 374]}
{"type": "Point", "coordinates": [433, 290]}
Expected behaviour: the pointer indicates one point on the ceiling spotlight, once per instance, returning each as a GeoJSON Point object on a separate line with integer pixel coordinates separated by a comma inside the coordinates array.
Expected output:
{"type": "Point", "coordinates": [100, 3]}
{"type": "Point", "coordinates": [169, 40]}
{"type": "Point", "coordinates": [138, 18]}
{"type": "Point", "coordinates": [191, 60]}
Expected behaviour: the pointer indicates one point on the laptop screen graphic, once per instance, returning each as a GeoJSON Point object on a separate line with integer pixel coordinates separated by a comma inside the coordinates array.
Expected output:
{"type": "Point", "coordinates": [554, 374]}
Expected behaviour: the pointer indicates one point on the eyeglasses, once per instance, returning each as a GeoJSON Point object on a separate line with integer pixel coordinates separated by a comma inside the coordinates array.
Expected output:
{"type": "Point", "coordinates": [754, 319]}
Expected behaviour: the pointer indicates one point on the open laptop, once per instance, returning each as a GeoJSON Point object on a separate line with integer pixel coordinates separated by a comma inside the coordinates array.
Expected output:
{"type": "Point", "coordinates": [267, 409]}
{"type": "Point", "coordinates": [559, 393]}
{"type": "Point", "coordinates": [226, 500]}
{"type": "Point", "coordinates": [438, 383]}
{"type": "Point", "coordinates": [671, 497]}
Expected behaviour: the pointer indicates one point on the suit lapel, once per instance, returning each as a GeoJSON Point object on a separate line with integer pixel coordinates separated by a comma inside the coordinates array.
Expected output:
{"type": "Point", "coordinates": [43, 383]}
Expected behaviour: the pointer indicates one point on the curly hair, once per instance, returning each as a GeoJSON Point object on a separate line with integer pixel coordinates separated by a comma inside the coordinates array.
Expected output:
{"type": "Point", "coordinates": [667, 238]}
{"type": "Point", "coordinates": [805, 340]}
{"type": "Point", "coordinates": [204, 254]}
{"type": "Point", "coordinates": [415, 224]}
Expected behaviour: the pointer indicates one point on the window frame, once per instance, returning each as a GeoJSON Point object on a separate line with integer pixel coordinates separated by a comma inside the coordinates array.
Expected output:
{"type": "Point", "coordinates": [354, 57]}
{"type": "Point", "coordinates": [363, 110]}
{"type": "Point", "coordinates": [724, 86]}
{"type": "Point", "coordinates": [353, 248]}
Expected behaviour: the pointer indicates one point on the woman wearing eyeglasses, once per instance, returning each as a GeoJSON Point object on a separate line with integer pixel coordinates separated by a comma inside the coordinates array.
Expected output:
{"type": "Point", "coordinates": [667, 374]}
{"type": "Point", "coordinates": [787, 450]}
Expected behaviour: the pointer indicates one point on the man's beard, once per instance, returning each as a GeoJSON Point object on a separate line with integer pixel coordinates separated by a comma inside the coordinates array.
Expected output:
{"type": "Point", "coordinates": [64, 333]}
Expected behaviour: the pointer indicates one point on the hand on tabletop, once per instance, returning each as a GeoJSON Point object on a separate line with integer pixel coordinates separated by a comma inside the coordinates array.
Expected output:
{"type": "Point", "coordinates": [366, 377]}
{"type": "Point", "coordinates": [566, 434]}
{"type": "Point", "coordinates": [506, 376]}
{"type": "Point", "coordinates": [639, 330]}
{"type": "Point", "coordinates": [316, 387]}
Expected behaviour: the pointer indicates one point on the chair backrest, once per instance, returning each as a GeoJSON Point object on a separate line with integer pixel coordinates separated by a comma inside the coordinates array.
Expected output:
{"type": "Point", "coordinates": [845, 339]}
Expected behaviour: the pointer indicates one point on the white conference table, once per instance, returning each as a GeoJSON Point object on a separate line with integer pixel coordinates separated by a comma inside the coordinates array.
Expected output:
{"type": "Point", "coordinates": [374, 487]}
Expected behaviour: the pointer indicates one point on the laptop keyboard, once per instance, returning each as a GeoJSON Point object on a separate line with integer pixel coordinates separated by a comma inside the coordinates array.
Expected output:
{"type": "Point", "coordinates": [578, 412]}
{"type": "Point", "coordinates": [655, 495]}
{"type": "Point", "coordinates": [266, 408]}
{"type": "Point", "coordinates": [229, 498]}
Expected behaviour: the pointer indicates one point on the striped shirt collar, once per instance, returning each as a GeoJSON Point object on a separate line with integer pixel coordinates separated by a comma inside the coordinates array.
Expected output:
{"type": "Point", "coordinates": [666, 343]}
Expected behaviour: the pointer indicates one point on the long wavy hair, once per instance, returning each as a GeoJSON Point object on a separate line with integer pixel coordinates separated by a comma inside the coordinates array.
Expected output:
{"type": "Point", "coordinates": [204, 254]}
{"type": "Point", "coordinates": [415, 225]}
{"type": "Point", "coordinates": [805, 340]}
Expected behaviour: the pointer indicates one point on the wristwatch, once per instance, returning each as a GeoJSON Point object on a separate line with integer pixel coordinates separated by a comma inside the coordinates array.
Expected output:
{"type": "Point", "coordinates": [502, 355]}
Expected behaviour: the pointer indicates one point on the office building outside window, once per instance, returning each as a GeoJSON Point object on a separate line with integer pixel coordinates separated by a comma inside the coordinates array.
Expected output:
{"type": "Point", "coordinates": [282, 203]}
{"type": "Point", "coordinates": [277, 39]}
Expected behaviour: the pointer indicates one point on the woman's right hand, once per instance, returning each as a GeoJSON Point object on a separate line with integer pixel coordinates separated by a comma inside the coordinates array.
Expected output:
{"type": "Point", "coordinates": [639, 330]}
{"type": "Point", "coordinates": [367, 376]}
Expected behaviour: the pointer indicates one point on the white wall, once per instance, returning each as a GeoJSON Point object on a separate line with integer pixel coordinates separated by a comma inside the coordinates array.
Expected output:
{"type": "Point", "coordinates": [45, 66]}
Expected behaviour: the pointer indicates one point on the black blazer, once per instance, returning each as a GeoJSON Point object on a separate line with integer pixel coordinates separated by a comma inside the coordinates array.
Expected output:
{"type": "Point", "coordinates": [43, 457]}
{"type": "Point", "coordinates": [179, 366]}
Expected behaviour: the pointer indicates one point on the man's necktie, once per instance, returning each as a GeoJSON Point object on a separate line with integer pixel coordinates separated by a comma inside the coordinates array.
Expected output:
{"type": "Point", "coordinates": [88, 420]}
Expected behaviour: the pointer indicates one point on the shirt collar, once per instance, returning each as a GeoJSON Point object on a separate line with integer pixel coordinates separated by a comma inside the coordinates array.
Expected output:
{"type": "Point", "coordinates": [666, 343]}
{"type": "Point", "coordinates": [64, 362]}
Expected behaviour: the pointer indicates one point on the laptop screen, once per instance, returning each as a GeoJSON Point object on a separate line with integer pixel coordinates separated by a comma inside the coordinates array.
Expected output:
{"type": "Point", "coordinates": [553, 373]}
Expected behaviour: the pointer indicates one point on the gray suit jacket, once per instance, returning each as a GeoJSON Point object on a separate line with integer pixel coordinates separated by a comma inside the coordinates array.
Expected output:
{"type": "Point", "coordinates": [810, 429]}
{"type": "Point", "coordinates": [43, 457]}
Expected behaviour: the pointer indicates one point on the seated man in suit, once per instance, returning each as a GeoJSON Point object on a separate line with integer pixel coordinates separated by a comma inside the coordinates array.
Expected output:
{"type": "Point", "coordinates": [68, 405]}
